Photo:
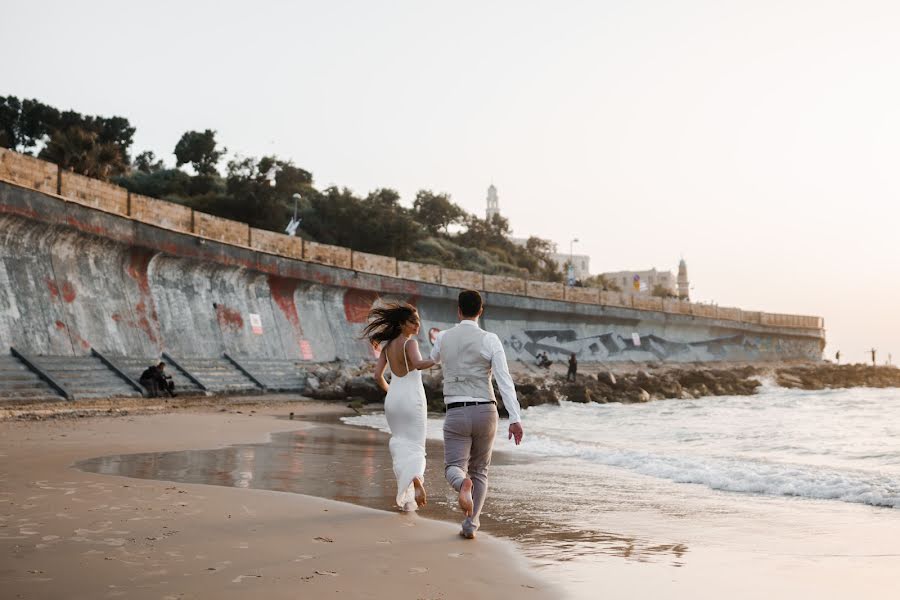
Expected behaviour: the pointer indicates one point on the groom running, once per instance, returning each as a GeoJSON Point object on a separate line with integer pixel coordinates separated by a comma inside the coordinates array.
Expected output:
{"type": "Point", "coordinates": [468, 354]}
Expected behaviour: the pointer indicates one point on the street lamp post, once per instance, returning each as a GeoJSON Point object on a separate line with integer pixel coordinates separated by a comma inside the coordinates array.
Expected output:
{"type": "Point", "coordinates": [571, 273]}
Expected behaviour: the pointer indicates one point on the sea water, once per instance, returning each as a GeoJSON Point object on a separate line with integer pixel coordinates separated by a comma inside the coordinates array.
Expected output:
{"type": "Point", "coordinates": [841, 445]}
{"type": "Point", "coordinates": [778, 494]}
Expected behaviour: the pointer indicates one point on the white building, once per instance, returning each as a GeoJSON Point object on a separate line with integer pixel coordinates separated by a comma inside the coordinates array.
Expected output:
{"type": "Point", "coordinates": [684, 285]}
{"type": "Point", "coordinates": [581, 262]}
{"type": "Point", "coordinates": [493, 203]}
{"type": "Point", "coordinates": [643, 282]}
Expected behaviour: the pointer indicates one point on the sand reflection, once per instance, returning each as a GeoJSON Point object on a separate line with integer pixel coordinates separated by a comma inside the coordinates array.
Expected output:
{"type": "Point", "coordinates": [353, 465]}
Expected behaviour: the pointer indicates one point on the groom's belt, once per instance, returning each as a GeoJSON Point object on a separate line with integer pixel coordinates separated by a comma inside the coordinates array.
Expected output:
{"type": "Point", "coordinates": [461, 404]}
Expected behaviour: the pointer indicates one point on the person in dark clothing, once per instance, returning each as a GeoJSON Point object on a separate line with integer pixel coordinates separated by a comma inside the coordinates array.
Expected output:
{"type": "Point", "coordinates": [156, 381]}
{"type": "Point", "coordinates": [543, 360]}
{"type": "Point", "coordinates": [573, 367]}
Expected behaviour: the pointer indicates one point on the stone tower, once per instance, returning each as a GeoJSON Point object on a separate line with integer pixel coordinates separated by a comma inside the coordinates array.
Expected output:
{"type": "Point", "coordinates": [493, 203]}
{"type": "Point", "coordinates": [683, 285]}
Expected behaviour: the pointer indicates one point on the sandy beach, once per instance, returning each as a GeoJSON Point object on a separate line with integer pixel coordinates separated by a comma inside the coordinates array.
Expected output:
{"type": "Point", "coordinates": [65, 533]}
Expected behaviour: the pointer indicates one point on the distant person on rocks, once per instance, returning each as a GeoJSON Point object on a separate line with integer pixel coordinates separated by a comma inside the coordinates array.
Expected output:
{"type": "Point", "coordinates": [156, 381]}
{"type": "Point", "coordinates": [543, 360]}
{"type": "Point", "coordinates": [573, 368]}
{"type": "Point", "coordinates": [837, 357]}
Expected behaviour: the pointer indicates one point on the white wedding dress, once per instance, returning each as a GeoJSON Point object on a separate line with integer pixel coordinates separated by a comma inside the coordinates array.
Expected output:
{"type": "Point", "coordinates": [405, 409]}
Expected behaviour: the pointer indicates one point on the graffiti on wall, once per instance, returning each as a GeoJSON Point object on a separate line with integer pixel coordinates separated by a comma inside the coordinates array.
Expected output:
{"type": "Point", "coordinates": [560, 343]}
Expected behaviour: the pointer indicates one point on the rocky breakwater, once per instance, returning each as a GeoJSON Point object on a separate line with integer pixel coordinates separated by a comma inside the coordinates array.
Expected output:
{"type": "Point", "coordinates": [639, 386]}
{"type": "Point", "coordinates": [827, 375]}
{"type": "Point", "coordinates": [354, 383]}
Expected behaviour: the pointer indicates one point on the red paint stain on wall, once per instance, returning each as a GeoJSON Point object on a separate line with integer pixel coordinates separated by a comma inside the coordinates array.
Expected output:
{"type": "Point", "coordinates": [229, 319]}
{"type": "Point", "coordinates": [67, 292]}
{"type": "Point", "coordinates": [358, 303]}
{"type": "Point", "coordinates": [77, 339]}
{"type": "Point", "coordinates": [282, 290]}
{"type": "Point", "coordinates": [146, 318]}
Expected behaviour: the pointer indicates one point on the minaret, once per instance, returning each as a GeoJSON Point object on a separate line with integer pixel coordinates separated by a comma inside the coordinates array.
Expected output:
{"type": "Point", "coordinates": [493, 203]}
{"type": "Point", "coordinates": [683, 286]}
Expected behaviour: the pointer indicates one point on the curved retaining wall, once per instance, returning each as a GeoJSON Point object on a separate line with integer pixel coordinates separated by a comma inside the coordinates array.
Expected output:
{"type": "Point", "coordinates": [73, 277]}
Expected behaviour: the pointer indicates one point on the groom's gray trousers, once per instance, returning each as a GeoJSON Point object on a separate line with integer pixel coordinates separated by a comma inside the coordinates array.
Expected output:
{"type": "Point", "coordinates": [469, 433]}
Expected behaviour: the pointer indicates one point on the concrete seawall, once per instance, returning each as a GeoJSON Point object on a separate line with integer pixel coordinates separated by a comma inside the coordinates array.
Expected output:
{"type": "Point", "coordinates": [73, 278]}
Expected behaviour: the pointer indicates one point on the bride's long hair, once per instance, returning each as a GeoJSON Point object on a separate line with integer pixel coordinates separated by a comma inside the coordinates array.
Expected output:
{"type": "Point", "coordinates": [386, 322]}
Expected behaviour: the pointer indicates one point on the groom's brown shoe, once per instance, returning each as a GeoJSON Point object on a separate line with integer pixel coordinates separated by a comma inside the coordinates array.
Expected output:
{"type": "Point", "coordinates": [469, 535]}
{"type": "Point", "coordinates": [465, 497]}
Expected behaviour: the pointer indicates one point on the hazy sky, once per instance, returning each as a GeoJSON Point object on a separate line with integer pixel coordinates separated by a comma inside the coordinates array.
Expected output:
{"type": "Point", "coordinates": [758, 139]}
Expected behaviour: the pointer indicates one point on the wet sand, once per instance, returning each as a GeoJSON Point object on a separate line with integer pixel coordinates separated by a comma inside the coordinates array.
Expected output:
{"type": "Point", "coordinates": [68, 533]}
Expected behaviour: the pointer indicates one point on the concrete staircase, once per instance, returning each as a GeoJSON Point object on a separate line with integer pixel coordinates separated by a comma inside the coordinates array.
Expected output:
{"type": "Point", "coordinates": [85, 377]}
{"type": "Point", "coordinates": [133, 367]}
{"type": "Point", "coordinates": [20, 385]}
{"type": "Point", "coordinates": [218, 375]}
{"type": "Point", "coordinates": [276, 375]}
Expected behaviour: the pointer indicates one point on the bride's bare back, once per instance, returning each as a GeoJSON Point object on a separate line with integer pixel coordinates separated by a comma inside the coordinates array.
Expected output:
{"type": "Point", "coordinates": [398, 356]}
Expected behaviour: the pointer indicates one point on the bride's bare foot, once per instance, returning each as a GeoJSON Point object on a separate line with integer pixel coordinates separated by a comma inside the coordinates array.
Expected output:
{"type": "Point", "coordinates": [421, 497]}
{"type": "Point", "coordinates": [465, 497]}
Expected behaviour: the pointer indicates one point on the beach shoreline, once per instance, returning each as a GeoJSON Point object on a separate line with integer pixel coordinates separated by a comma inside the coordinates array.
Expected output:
{"type": "Point", "coordinates": [69, 533]}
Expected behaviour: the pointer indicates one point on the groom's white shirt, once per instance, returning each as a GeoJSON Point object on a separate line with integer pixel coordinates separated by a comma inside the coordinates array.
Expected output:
{"type": "Point", "coordinates": [492, 350]}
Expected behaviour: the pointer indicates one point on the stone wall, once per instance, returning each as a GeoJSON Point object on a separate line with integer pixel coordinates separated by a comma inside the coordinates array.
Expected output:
{"type": "Point", "coordinates": [93, 192]}
{"type": "Point", "coordinates": [584, 295]}
{"type": "Point", "coordinates": [546, 289]}
{"type": "Point", "coordinates": [276, 243]}
{"type": "Point", "coordinates": [327, 254]}
{"type": "Point", "coordinates": [418, 271]}
{"type": "Point", "coordinates": [467, 280]}
{"type": "Point", "coordinates": [28, 171]}
{"type": "Point", "coordinates": [222, 230]}
{"type": "Point", "coordinates": [614, 299]}
{"type": "Point", "coordinates": [374, 263]}
{"type": "Point", "coordinates": [45, 177]}
{"type": "Point", "coordinates": [161, 213]}
{"type": "Point", "coordinates": [504, 285]}
{"type": "Point", "coordinates": [73, 278]}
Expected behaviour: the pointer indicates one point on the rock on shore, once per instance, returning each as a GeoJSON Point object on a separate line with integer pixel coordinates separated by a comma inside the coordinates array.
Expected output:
{"type": "Point", "coordinates": [827, 375]}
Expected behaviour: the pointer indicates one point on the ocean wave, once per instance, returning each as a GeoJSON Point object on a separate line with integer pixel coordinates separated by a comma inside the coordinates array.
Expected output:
{"type": "Point", "coordinates": [739, 475]}
{"type": "Point", "coordinates": [743, 475]}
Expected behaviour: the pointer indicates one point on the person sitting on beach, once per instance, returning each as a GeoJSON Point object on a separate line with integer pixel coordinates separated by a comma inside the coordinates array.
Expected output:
{"type": "Point", "coordinates": [543, 360]}
{"type": "Point", "coordinates": [155, 380]}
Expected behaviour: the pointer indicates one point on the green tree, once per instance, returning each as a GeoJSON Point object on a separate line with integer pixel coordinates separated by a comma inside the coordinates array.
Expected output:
{"type": "Point", "coordinates": [599, 281]}
{"type": "Point", "coordinates": [436, 212]}
{"type": "Point", "coordinates": [80, 150]}
{"type": "Point", "coordinates": [146, 162]}
{"type": "Point", "coordinates": [199, 149]}
{"type": "Point", "coordinates": [90, 145]}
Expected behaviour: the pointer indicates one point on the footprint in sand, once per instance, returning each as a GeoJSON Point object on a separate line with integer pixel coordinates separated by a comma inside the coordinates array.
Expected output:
{"type": "Point", "coordinates": [417, 570]}
{"type": "Point", "coordinates": [303, 557]}
{"type": "Point", "coordinates": [329, 573]}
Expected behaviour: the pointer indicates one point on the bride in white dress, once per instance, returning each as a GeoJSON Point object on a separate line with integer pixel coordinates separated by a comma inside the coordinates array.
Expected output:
{"type": "Point", "coordinates": [394, 327]}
